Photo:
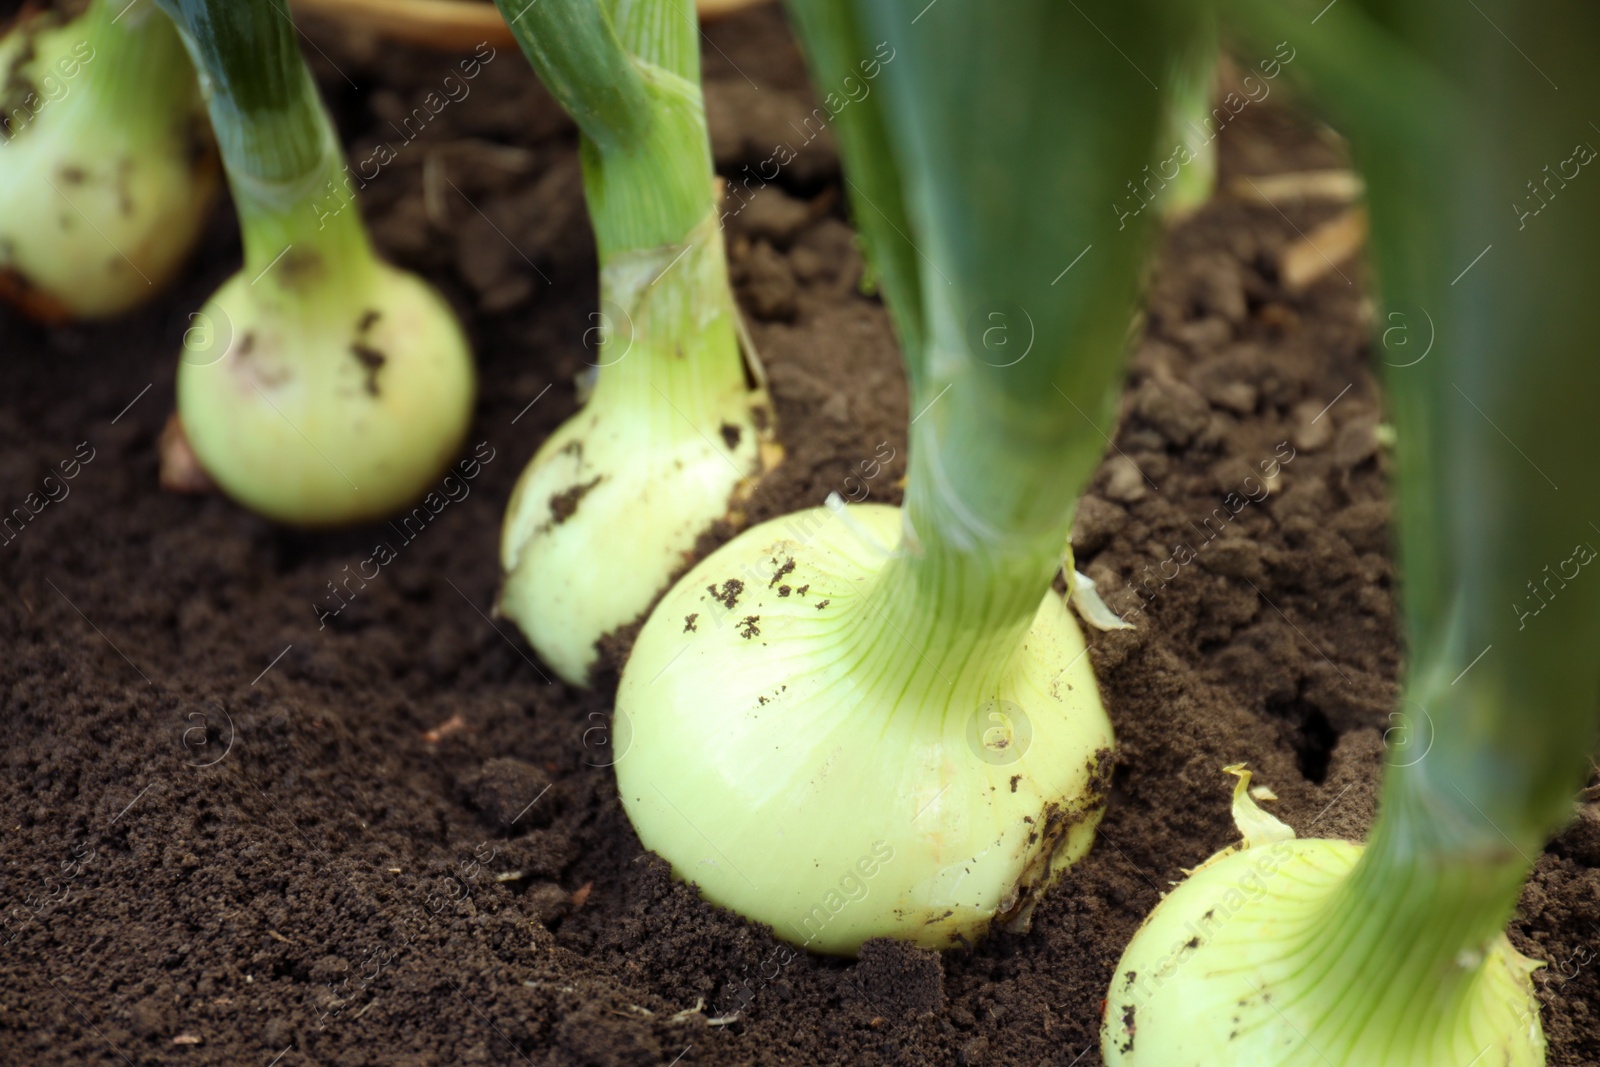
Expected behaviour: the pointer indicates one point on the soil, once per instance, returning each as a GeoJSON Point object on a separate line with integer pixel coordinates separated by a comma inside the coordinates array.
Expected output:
{"type": "Point", "coordinates": [244, 829]}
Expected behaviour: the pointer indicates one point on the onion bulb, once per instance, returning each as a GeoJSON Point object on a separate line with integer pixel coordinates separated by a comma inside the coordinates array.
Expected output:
{"type": "Point", "coordinates": [819, 746]}
{"type": "Point", "coordinates": [107, 172]}
{"type": "Point", "coordinates": [1228, 969]}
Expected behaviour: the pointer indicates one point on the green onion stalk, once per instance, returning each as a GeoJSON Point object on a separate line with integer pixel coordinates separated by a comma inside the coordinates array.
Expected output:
{"type": "Point", "coordinates": [107, 172]}
{"type": "Point", "coordinates": [671, 438]}
{"type": "Point", "coordinates": [867, 721]}
{"type": "Point", "coordinates": [324, 386]}
{"type": "Point", "coordinates": [1394, 953]}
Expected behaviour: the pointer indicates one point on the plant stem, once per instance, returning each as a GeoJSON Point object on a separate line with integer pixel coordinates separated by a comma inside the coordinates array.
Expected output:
{"type": "Point", "coordinates": [657, 190]}
{"type": "Point", "coordinates": [1495, 485]}
{"type": "Point", "coordinates": [633, 88]}
{"type": "Point", "coordinates": [576, 53]}
{"type": "Point", "coordinates": [278, 144]}
{"type": "Point", "coordinates": [988, 203]}
{"type": "Point", "coordinates": [1494, 480]}
{"type": "Point", "coordinates": [835, 45]}
{"type": "Point", "coordinates": [629, 73]}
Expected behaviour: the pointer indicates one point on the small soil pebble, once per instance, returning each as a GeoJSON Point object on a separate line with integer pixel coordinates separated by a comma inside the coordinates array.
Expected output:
{"type": "Point", "coordinates": [1094, 525]}
{"type": "Point", "coordinates": [547, 902]}
{"type": "Point", "coordinates": [774, 216]}
{"type": "Point", "coordinates": [151, 1017]}
{"type": "Point", "coordinates": [1124, 481]}
{"type": "Point", "coordinates": [1173, 409]}
{"type": "Point", "coordinates": [768, 284]}
{"type": "Point", "coordinates": [510, 791]}
{"type": "Point", "coordinates": [1313, 426]}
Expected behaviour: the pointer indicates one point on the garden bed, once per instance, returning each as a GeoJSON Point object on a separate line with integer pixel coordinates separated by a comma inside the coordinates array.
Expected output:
{"type": "Point", "coordinates": [245, 828]}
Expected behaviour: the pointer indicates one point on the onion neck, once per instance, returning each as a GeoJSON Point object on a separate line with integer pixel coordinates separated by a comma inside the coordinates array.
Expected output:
{"type": "Point", "coordinates": [939, 628]}
{"type": "Point", "coordinates": [304, 233]}
{"type": "Point", "coordinates": [653, 190]}
{"type": "Point", "coordinates": [990, 496]}
{"type": "Point", "coordinates": [671, 344]}
{"type": "Point", "coordinates": [669, 348]}
{"type": "Point", "coordinates": [281, 152]}
{"type": "Point", "coordinates": [1401, 949]}
{"type": "Point", "coordinates": [130, 78]}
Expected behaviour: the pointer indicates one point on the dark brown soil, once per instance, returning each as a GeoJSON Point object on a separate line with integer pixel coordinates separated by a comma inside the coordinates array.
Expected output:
{"type": "Point", "coordinates": [231, 837]}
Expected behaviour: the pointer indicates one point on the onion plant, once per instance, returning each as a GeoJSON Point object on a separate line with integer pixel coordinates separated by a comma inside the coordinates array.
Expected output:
{"type": "Point", "coordinates": [329, 386]}
{"type": "Point", "coordinates": [610, 507]}
{"type": "Point", "coordinates": [865, 721]}
{"type": "Point", "coordinates": [1394, 954]}
{"type": "Point", "coordinates": [106, 168]}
